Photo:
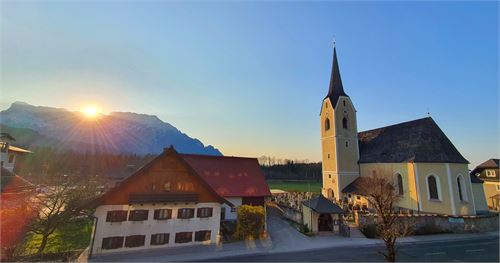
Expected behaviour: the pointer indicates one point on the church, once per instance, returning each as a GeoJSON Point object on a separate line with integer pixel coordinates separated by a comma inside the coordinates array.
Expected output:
{"type": "Point", "coordinates": [429, 172]}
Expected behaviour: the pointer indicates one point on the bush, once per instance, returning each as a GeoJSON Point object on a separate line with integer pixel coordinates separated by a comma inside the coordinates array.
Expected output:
{"type": "Point", "coordinates": [430, 229]}
{"type": "Point", "coordinates": [305, 229]}
{"type": "Point", "coordinates": [250, 222]}
{"type": "Point", "coordinates": [228, 230]}
{"type": "Point", "coordinates": [369, 230]}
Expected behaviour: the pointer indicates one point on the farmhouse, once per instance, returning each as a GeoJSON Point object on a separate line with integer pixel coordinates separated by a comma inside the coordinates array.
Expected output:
{"type": "Point", "coordinates": [176, 200]}
{"type": "Point", "coordinates": [489, 177]}
{"type": "Point", "coordinates": [430, 173]}
{"type": "Point", "coordinates": [9, 153]}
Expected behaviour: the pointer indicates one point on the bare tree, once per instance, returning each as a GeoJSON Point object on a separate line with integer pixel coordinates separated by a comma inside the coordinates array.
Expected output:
{"type": "Point", "coordinates": [59, 202]}
{"type": "Point", "coordinates": [382, 196]}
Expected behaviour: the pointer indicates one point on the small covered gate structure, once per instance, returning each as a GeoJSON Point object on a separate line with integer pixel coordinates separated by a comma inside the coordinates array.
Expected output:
{"type": "Point", "coordinates": [322, 215]}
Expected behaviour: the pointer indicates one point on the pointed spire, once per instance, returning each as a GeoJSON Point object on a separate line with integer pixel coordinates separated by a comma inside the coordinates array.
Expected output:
{"type": "Point", "coordinates": [336, 89]}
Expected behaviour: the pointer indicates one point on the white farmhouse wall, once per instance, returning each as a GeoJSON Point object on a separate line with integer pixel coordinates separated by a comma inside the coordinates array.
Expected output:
{"type": "Point", "coordinates": [151, 226]}
{"type": "Point", "coordinates": [4, 158]}
{"type": "Point", "coordinates": [236, 201]}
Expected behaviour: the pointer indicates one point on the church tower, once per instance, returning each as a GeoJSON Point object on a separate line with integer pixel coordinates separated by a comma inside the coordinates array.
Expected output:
{"type": "Point", "coordinates": [339, 137]}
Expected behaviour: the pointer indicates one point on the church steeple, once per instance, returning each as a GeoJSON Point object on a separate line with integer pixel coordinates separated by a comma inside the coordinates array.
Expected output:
{"type": "Point", "coordinates": [336, 89]}
{"type": "Point", "coordinates": [339, 137]}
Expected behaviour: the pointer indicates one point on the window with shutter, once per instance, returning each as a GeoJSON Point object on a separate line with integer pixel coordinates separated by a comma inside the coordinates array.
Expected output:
{"type": "Point", "coordinates": [138, 215]}
{"type": "Point", "coordinates": [112, 242]}
{"type": "Point", "coordinates": [135, 241]}
{"type": "Point", "coordinates": [183, 237]}
{"type": "Point", "coordinates": [116, 216]}
{"type": "Point", "coordinates": [204, 212]}
{"type": "Point", "coordinates": [160, 239]}
{"type": "Point", "coordinates": [163, 214]}
{"type": "Point", "coordinates": [202, 235]}
{"type": "Point", "coordinates": [185, 213]}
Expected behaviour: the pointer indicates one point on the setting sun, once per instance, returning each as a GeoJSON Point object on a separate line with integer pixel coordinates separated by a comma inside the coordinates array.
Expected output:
{"type": "Point", "coordinates": [90, 111]}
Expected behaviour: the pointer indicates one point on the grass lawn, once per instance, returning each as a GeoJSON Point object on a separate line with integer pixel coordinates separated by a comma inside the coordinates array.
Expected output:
{"type": "Point", "coordinates": [71, 236]}
{"type": "Point", "coordinates": [295, 186]}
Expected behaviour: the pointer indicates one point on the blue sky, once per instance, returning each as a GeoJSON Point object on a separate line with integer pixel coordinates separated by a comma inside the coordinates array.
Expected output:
{"type": "Point", "coordinates": [249, 77]}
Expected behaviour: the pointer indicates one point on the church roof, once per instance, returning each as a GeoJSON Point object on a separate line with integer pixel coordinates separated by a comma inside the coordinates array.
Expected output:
{"type": "Point", "coordinates": [357, 186]}
{"type": "Point", "coordinates": [336, 89]}
{"type": "Point", "coordinates": [419, 141]}
{"type": "Point", "coordinates": [323, 206]}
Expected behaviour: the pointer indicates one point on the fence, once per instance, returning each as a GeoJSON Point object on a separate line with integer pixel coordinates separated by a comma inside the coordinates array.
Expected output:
{"type": "Point", "coordinates": [292, 199]}
{"type": "Point", "coordinates": [441, 223]}
{"type": "Point", "coordinates": [292, 214]}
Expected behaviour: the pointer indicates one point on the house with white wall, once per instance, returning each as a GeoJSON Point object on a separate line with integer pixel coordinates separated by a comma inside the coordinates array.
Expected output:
{"type": "Point", "coordinates": [9, 153]}
{"type": "Point", "coordinates": [175, 200]}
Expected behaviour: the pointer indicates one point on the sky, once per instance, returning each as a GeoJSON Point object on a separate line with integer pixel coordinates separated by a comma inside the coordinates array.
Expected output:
{"type": "Point", "coordinates": [249, 77]}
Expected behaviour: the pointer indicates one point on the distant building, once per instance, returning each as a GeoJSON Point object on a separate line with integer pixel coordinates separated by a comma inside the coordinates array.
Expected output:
{"type": "Point", "coordinates": [488, 172]}
{"type": "Point", "coordinates": [429, 172]}
{"type": "Point", "coordinates": [9, 153]}
{"type": "Point", "coordinates": [176, 200]}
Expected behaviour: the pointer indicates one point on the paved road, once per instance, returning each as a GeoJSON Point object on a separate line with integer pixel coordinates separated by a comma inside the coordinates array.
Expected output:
{"type": "Point", "coordinates": [477, 249]}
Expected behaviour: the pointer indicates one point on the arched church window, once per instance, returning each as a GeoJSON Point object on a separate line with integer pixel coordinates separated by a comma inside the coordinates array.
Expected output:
{"type": "Point", "coordinates": [331, 195]}
{"type": "Point", "coordinates": [459, 189]}
{"type": "Point", "coordinates": [433, 188]}
{"type": "Point", "coordinates": [399, 184]}
{"type": "Point", "coordinates": [344, 123]}
{"type": "Point", "coordinates": [344, 103]}
{"type": "Point", "coordinates": [327, 124]}
{"type": "Point", "coordinates": [461, 193]}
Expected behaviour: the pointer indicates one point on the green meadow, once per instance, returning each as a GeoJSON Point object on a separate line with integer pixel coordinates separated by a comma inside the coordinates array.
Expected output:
{"type": "Point", "coordinates": [69, 237]}
{"type": "Point", "coordinates": [295, 186]}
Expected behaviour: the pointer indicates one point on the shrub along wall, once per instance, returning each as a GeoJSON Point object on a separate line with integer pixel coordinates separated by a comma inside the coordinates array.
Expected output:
{"type": "Point", "coordinates": [250, 223]}
{"type": "Point", "coordinates": [434, 224]}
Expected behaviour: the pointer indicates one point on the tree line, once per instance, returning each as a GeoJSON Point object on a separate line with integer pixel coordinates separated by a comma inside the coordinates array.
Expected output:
{"type": "Point", "coordinates": [51, 162]}
{"type": "Point", "coordinates": [288, 169]}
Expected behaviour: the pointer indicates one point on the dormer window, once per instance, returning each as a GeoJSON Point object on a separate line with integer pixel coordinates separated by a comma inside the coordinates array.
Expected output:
{"type": "Point", "coordinates": [344, 123]}
{"type": "Point", "coordinates": [490, 173]}
{"type": "Point", "coordinates": [327, 124]}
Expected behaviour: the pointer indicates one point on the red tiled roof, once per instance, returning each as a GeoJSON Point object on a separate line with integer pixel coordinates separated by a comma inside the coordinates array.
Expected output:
{"type": "Point", "coordinates": [230, 176]}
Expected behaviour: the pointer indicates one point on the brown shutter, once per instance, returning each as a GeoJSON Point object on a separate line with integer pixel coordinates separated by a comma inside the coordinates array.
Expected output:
{"type": "Point", "coordinates": [157, 214]}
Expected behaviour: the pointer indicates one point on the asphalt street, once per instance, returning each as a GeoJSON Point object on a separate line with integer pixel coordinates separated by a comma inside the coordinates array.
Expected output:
{"type": "Point", "coordinates": [466, 250]}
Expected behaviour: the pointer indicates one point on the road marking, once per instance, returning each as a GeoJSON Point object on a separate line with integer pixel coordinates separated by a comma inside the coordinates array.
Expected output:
{"type": "Point", "coordinates": [435, 253]}
{"type": "Point", "coordinates": [474, 250]}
